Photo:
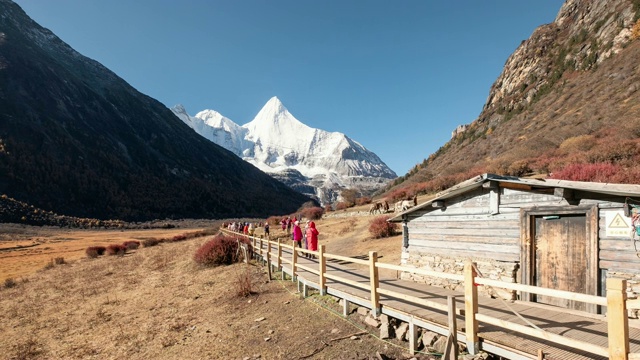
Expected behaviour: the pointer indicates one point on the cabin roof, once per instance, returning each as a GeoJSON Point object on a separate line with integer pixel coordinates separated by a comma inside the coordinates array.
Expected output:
{"type": "Point", "coordinates": [624, 190]}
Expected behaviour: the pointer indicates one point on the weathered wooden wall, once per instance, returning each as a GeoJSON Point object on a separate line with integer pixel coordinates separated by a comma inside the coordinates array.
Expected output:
{"type": "Point", "coordinates": [468, 228]}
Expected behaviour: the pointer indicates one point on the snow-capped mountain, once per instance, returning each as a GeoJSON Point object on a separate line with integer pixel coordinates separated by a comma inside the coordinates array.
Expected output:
{"type": "Point", "coordinates": [313, 161]}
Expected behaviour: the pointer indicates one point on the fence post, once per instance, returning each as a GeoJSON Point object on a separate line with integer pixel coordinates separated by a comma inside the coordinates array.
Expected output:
{"type": "Point", "coordinates": [471, 308]}
{"type": "Point", "coordinates": [261, 255]}
{"type": "Point", "coordinates": [294, 259]}
{"type": "Point", "coordinates": [322, 268]}
{"type": "Point", "coordinates": [279, 254]}
{"type": "Point", "coordinates": [268, 259]}
{"type": "Point", "coordinates": [255, 243]}
{"type": "Point", "coordinates": [375, 282]}
{"type": "Point", "coordinates": [617, 320]}
{"type": "Point", "coordinates": [451, 350]}
{"type": "Point", "coordinates": [413, 337]}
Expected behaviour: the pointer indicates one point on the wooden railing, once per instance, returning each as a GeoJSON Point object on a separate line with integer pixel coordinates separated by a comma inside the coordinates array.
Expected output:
{"type": "Point", "coordinates": [615, 301]}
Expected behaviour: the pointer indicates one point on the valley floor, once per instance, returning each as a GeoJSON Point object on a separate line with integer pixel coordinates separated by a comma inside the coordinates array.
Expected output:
{"type": "Point", "coordinates": [157, 302]}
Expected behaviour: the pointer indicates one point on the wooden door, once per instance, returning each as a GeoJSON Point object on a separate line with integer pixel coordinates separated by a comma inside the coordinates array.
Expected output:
{"type": "Point", "coordinates": [560, 257]}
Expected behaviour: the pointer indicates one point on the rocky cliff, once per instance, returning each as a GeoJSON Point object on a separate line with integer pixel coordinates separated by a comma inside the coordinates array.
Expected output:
{"type": "Point", "coordinates": [565, 103]}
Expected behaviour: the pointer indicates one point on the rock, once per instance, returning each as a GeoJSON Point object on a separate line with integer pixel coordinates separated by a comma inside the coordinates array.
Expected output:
{"type": "Point", "coordinates": [270, 332]}
{"type": "Point", "coordinates": [440, 344]}
{"type": "Point", "coordinates": [385, 331]}
{"type": "Point", "coordinates": [354, 338]}
{"type": "Point", "coordinates": [335, 331]}
{"type": "Point", "coordinates": [401, 331]}
{"type": "Point", "coordinates": [363, 311]}
{"type": "Point", "coordinates": [371, 321]}
{"type": "Point", "coordinates": [428, 338]}
{"type": "Point", "coordinates": [260, 319]}
{"type": "Point", "coordinates": [384, 318]}
{"type": "Point", "coordinates": [267, 338]}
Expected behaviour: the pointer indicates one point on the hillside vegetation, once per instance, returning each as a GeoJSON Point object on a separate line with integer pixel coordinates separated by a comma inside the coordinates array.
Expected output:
{"type": "Point", "coordinates": [567, 106]}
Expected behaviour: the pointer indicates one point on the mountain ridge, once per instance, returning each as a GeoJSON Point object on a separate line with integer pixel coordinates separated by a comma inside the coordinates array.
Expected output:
{"type": "Point", "coordinates": [301, 156]}
{"type": "Point", "coordinates": [565, 105]}
{"type": "Point", "coordinates": [78, 140]}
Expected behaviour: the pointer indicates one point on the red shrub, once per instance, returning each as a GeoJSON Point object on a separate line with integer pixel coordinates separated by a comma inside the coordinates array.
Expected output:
{"type": "Point", "coordinates": [95, 251]}
{"type": "Point", "coordinates": [363, 200]}
{"type": "Point", "coordinates": [116, 249]}
{"type": "Point", "coordinates": [274, 220]}
{"type": "Point", "coordinates": [150, 242]}
{"type": "Point", "coordinates": [221, 250]}
{"type": "Point", "coordinates": [379, 227]}
{"type": "Point", "coordinates": [327, 208]}
{"type": "Point", "coordinates": [312, 213]}
{"type": "Point", "coordinates": [601, 172]}
{"type": "Point", "coordinates": [181, 237]}
{"type": "Point", "coordinates": [131, 244]}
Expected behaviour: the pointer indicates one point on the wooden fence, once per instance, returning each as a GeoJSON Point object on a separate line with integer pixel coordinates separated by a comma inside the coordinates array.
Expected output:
{"type": "Point", "coordinates": [616, 300]}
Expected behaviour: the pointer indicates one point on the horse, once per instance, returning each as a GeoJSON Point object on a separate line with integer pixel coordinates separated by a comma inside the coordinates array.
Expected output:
{"type": "Point", "coordinates": [385, 207]}
{"type": "Point", "coordinates": [403, 205]}
{"type": "Point", "coordinates": [375, 207]}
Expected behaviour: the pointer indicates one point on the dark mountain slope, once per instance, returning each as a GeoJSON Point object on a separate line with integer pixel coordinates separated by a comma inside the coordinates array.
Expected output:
{"type": "Point", "coordinates": [566, 104]}
{"type": "Point", "coordinates": [77, 139]}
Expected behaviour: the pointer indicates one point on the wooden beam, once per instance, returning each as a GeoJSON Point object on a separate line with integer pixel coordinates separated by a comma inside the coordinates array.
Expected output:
{"type": "Point", "coordinates": [279, 254]}
{"type": "Point", "coordinates": [375, 283]}
{"type": "Point", "coordinates": [617, 321]}
{"type": "Point", "coordinates": [471, 308]}
{"type": "Point", "coordinates": [322, 269]}
{"type": "Point", "coordinates": [490, 185]}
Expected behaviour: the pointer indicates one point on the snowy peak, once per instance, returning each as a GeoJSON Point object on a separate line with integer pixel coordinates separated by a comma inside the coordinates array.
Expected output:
{"type": "Point", "coordinates": [278, 143]}
{"type": "Point", "coordinates": [274, 115]}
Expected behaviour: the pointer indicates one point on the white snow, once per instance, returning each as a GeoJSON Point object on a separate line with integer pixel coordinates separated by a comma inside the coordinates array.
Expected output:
{"type": "Point", "coordinates": [275, 141]}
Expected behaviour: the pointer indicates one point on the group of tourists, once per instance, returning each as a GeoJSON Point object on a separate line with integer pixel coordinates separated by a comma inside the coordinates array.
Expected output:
{"type": "Point", "coordinates": [246, 228]}
{"type": "Point", "coordinates": [307, 239]}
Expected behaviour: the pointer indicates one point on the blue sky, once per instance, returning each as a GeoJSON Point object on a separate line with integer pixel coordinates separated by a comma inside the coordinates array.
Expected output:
{"type": "Point", "coordinates": [396, 76]}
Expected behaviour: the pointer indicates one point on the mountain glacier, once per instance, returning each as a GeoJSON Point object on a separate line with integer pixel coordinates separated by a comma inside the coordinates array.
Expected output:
{"type": "Point", "coordinates": [313, 161]}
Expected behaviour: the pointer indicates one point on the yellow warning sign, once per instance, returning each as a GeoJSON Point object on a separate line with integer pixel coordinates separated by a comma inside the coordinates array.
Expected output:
{"type": "Point", "coordinates": [617, 225]}
{"type": "Point", "coordinates": [618, 222]}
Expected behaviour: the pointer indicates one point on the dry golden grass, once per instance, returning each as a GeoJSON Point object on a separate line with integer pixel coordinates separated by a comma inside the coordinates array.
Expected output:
{"type": "Point", "coordinates": [158, 303]}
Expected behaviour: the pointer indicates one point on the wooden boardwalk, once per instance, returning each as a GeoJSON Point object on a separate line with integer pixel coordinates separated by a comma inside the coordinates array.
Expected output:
{"type": "Point", "coordinates": [590, 329]}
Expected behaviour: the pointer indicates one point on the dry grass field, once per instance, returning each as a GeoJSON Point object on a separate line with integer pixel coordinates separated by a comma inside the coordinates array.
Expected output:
{"type": "Point", "coordinates": [157, 302]}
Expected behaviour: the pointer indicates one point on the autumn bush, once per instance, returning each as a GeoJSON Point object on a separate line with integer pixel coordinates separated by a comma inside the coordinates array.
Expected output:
{"type": "Point", "coordinates": [95, 251]}
{"type": "Point", "coordinates": [9, 283]}
{"type": "Point", "coordinates": [221, 250]}
{"type": "Point", "coordinates": [312, 213]}
{"type": "Point", "coordinates": [379, 227]}
{"type": "Point", "coordinates": [131, 244]}
{"type": "Point", "coordinates": [181, 237]}
{"type": "Point", "coordinates": [363, 200]}
{"type": "Point", "coordinates": [116, 249]}
{"type": "Point", "coordinates": [243, 282]}
{"type": "Point", "coordinates": [600, 172]}
{"type": "Point", "coordinates": [150, 242]}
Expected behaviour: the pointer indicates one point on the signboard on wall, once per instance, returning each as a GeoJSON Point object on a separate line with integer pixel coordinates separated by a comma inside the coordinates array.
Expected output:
{"type": "Point", "coordinates": [617, 224]}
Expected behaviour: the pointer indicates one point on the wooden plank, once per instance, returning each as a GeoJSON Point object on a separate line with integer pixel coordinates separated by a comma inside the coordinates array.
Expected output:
{"type": "Point", "coordinates": [466, 232]}
{"type": "Point", "coordinates": [340, 279]}
{"type": "Point", "coordinates": [545, 335]}
{"type": "Point", "coordinates": [453, 246]}
{"type": "Point", "coordinates": [591, 299]}
{"type": "Point", "coordinates": [471, 308]}
{"type": "Point", "coordinates": [463, 223]}
{"type": "Point", "coordinates": [375, 282]}
{"type": "Point", "coordinates": [498, 218]}
{"type": "Point", "coordinates": [620, 266]}
{"type": "Point", "coordinates": [618, 245]}
{"type": "Point", "coordinates": [413, 299]}
{"type": "Point", "coordinates": [630, 257]}
{"type": "Point", "coordinates": [347, 259]}
{"type": "Point", "coordinates": [306, 268]}
{"type": "Point", "coordinates": [498, 240]}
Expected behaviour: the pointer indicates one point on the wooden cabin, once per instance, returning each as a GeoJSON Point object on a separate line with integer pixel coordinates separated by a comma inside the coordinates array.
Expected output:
{"type": "Point", "coordinates": [558, 234]}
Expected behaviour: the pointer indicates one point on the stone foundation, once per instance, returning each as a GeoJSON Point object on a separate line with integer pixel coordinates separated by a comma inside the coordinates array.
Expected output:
{"type": "Point", "coordinates": [633, 288]}
{"type": "Point", "coordinates": [490, 269]}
